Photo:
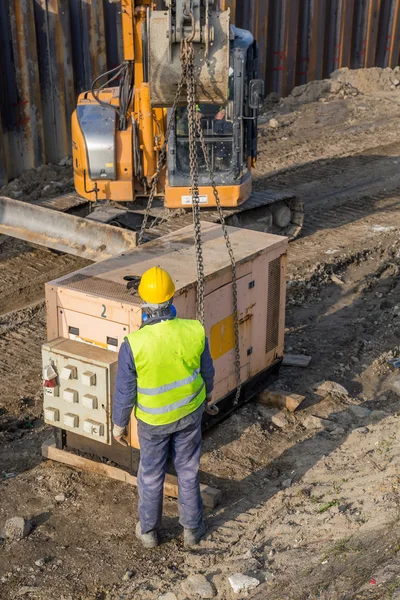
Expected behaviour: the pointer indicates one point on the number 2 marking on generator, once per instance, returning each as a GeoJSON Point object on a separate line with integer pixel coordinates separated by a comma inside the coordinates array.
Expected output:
{"type": "Point", "coordinates": [104, 313]}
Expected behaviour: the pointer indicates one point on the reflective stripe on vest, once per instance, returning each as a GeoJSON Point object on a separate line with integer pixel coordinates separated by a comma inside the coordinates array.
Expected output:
{"type": "Point", "coordinates": [169, 386]}
{"type": "Point", "coordinates": [167, 358]}
{"type": "Point", "coordinates": [170, 407]}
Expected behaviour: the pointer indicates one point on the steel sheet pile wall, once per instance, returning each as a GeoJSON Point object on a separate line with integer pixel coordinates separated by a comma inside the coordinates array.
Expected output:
{"type": "Point", "coordinates": [51, 50]}
{"type": "Point", "coordinates": [302, 40]}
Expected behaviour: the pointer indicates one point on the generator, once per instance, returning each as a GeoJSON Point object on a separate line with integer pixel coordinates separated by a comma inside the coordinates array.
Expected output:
{"type": "Point", "coordinates": [90, 312]}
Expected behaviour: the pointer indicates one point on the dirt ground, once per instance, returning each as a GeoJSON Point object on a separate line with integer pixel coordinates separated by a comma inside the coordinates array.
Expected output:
{"type": "Point", "coordinates": [311, 502]}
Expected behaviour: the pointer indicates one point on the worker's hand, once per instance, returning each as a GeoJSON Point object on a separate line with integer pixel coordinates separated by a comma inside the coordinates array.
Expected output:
{"type": "Point", "coordinates": [119, 434]}
{"type": "Point", "coordinates": [211, 409]}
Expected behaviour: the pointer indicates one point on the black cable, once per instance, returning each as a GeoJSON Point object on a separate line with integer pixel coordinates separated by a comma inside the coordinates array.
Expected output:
{"type": "Point", "coordinates": [118, 71]}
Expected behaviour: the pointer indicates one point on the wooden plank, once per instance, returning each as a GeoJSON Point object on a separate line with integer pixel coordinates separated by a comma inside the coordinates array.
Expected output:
{"type": "Point", "coordinates": [211, 496]}
{"type": "Point", "coordinates": [296, 360]}
{"type": "Point", "coordinates": [280, 399]}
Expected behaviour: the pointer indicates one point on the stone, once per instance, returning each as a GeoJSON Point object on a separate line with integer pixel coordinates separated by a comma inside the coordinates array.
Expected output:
{"type": "Point", "coordinates": [242, 583]}
{"type": "Point", "coordinates": [395, 384]}
{"type": "Point", "coordinates": [128, 575]}
{"type": "Point", "coordinates": [273, 123]}
{"type": "Point", "coordinates": [197, 585]}
{"type": "Point", "coordinates": [286, 483]}
{"type": "Point", "coordinates": [167, 596]}
{"type": "Point", "coordinates": [17, 528]}
{"type": "Point", "coordinates": [17, 194]}
{"type": "Point", "coordinates": [378, 415]}
{"type": "Point", "coordinates": [338, 432]}
{"type": "Point", "coordinates": [331, 387]}
{"type": "Point", "coordinates": [344, 418]}
{"type": "Point", "coordinates": [64, 162]}
{"type": "Point", "coordinates": [47, 188]}
{"type": "Point", "coordinates": [60, 498]}
{"type": "Point", "coordinates": [280, 420]}
{"type": "Point", "coordinates": [312, 422]}
{"type": "Point", "coordinates": [26, 589]}
{"type": "Point", "coordinates": [360, 412]}
{"type": "Point", "coordinates": [40, 562]}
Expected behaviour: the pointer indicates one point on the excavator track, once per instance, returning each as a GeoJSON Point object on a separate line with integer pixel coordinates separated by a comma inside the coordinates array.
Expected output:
{"type": "Point", "coordinates": [270, 210]}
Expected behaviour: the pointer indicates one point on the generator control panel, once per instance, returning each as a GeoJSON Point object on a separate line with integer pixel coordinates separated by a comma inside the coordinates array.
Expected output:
{"type": "Point", "coordinates": [78, 397]}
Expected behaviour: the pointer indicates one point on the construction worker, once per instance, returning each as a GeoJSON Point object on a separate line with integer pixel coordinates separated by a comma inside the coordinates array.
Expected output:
{"type": "Point", "coordinates": [166, 375]}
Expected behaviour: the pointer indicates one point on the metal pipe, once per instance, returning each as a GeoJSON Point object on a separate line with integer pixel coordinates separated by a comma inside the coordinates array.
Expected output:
{"type": "Point", "coordinates": [63, 232]}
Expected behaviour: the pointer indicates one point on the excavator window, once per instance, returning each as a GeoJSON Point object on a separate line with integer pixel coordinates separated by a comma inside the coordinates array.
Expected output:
{"type": "Point", "coordinates": [217, 125]}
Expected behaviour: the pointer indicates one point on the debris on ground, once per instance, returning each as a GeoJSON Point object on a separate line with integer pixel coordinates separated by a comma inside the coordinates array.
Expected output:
{"type": "Point", "coordinates": [60, 498]}
{"type": "Point", "coordinates": [198, 586]}
{"type": "Point", "coordinates": [296, 360]}
{"type": "Point", "coordinates": [243, 583]}
{"type": "Point", "coordinates": [330, 387]}
{"type": "Point", "coordinates": [280, 399]}
{"type": "Point", "coordinates": [43, 182]}
{"type": "Point", "coordinates": [280, 420]}
{"type": "Point", "coordinates": [16, 529]}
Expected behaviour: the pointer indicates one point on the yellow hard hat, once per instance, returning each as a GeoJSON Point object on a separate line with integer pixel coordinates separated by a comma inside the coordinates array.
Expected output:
{"type": "Point", "coordinates": [156, 286]}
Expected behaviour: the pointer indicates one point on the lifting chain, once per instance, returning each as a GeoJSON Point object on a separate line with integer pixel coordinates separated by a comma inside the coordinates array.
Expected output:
{"type": "Point", "coordinates": [161, 160]}
{"type": "Point", "coordinates": [188, 77]}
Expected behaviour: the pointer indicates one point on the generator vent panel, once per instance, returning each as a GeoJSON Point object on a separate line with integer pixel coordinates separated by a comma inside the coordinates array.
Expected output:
{"type": "Point", "coordinates": [273, 308]}
{"type": "Point", "coordinates": [83, 404]}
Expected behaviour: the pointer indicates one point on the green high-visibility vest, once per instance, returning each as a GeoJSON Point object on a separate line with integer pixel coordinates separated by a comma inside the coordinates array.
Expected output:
{"type": "Point", "coordinates": [167, 359]}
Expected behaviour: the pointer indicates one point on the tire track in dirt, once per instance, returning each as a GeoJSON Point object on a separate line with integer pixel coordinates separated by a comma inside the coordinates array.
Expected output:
{"type": "Point", "coordinates": [25, 269]}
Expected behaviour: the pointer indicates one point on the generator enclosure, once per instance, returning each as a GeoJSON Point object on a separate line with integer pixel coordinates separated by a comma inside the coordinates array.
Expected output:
{"type": "Point", "coordinates": [90, 312]}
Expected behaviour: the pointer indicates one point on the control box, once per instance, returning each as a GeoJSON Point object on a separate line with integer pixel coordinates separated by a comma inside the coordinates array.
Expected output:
{"type": "Point", "coordinates": [81, 400]}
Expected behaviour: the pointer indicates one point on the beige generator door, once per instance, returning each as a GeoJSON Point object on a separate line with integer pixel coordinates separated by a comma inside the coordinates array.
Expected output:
{"type": "Point", "coordinates": [220, 332]}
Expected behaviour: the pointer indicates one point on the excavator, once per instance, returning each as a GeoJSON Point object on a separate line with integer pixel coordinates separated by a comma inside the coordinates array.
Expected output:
{"type": "Point", "coordinates": [130, 132]}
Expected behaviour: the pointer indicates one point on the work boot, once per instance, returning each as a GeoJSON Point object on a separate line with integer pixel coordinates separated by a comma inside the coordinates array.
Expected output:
{"type": "Point", "coordinates": [191, 537]}
{"type": "Point", "coordinates": [149, 540]}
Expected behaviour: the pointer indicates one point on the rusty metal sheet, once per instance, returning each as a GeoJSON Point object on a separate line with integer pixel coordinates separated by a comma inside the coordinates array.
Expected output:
{"type": "Point", "coordinates": [56, 74]}
{"type": "Point", "coordinates": [29, 107]}
{"type": "Point", "coordinates": [302, 63]}
{"type": "Point", "coordinates": [393, 37]}
{"type": "Point", "coordinates": [382, 49]}
{"type": "Point", "coordinates": [289, 31]}
{"type": "Point", "coordinates": [344, 33]}
{"type": "Point", "coordinates": [370, 33]}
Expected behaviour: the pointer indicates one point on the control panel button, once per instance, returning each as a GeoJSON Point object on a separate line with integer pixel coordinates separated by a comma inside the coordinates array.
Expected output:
{"type": "Point", "coordinates": [70, 395]}
{"type": "Point", "coordinates": [52, 414]}
{"type": "Point", "coordinates": [89, 378]}
{"type": "Point", "coordinates": [90, 401]}
{"type": "Point", "coordinates": [93, 428]}
{"type": "Point", "coordinates": [54, 392]}
{"type": "Point", "coordinates": [68, 372]}
{"type": "Point", "coordinates": [71, 420]}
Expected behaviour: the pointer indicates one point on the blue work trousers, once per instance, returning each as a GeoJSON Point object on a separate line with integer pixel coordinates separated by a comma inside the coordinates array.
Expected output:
{"type": "Point", "coordinates": [185, 448]}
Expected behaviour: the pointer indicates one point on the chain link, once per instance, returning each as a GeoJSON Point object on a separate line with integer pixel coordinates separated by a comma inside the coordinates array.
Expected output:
{"type": "Point", "coordinates": [188, 67]}
{"type": "Point", "coordinates": [161, 159]}
{"type": "Point", "coordinates": [188, 77]}
{"type": "Point", "coordinates": [231, 257]}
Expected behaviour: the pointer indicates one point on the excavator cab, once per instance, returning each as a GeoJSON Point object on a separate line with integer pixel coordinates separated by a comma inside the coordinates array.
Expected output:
{"type": "Point", "coordinates": [229, 130]}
